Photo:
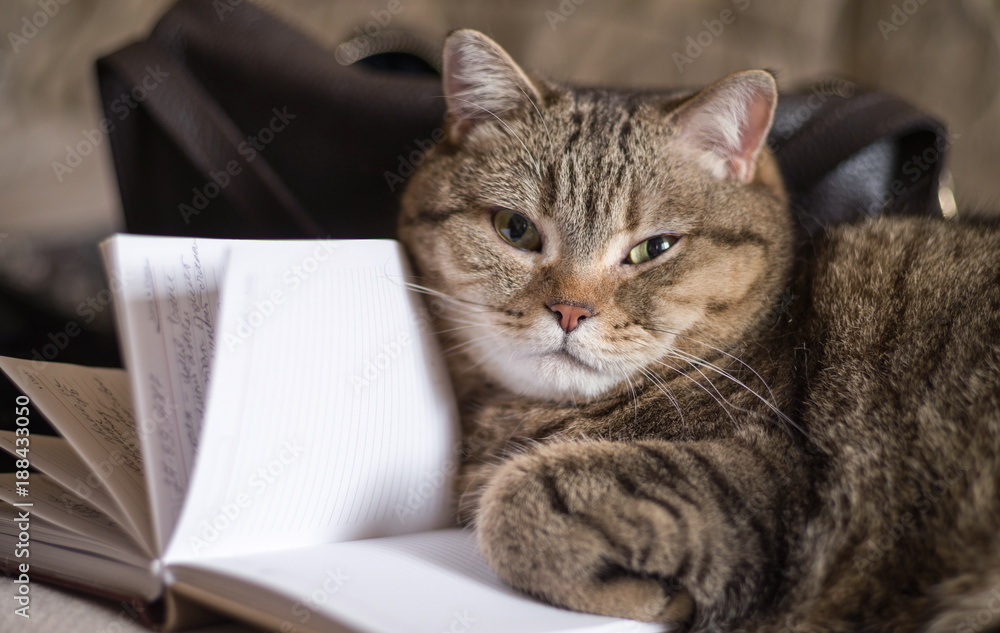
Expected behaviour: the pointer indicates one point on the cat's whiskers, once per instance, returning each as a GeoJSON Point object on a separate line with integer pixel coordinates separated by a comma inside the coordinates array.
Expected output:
{"type": "Point", "coordinates": [483, 359]}
{"type": "Point", "coordinates": [460, 327]}
{"type": "Point", "coordinates": [635, 402]}
{"type": "Point", "coordinates": [534, 161]}
{"type": "Point", "coordinates": [540, 117]}
{"type": "Point", "coordinates": [510, 356]}
{"type": "Point", "coordinates": [720, 351]}
{"type": "Point", "coordinates": [456, 347]}
{"type": "Point", "coordinates": [722, 403]}
{"type": "Point", "coordinates": [471, 323]}
{"type": "Point", "coordinates": [715, 388]}
{"type": "Point", "coordinates": [661, 384]}
{"type": "Point", "coordinates": [697, 361]}
{"type": "Point", "coordinates": [441, 295]}
{"type": "Point", "coordinates": [457, 310]}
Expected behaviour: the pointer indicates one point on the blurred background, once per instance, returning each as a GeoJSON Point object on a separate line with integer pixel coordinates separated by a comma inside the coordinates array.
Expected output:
{"type": "Point", "coordinates": [943, 56]}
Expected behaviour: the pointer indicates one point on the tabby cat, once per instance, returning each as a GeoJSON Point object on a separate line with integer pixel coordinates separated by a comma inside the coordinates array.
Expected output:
{"type": "Point", "coordinates": [671, 413]}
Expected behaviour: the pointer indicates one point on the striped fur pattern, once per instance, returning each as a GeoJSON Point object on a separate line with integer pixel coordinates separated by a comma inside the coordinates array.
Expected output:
{"type": "Point", "coordinates": [739, 434]}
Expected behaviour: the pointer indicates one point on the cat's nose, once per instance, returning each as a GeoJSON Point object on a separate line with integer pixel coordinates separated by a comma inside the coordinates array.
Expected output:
{"type": "Point", "coordinates": [569, 315]}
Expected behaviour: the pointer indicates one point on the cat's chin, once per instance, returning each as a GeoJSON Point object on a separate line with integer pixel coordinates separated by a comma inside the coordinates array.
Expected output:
{"type": "Point", "coordinates": [555, 376]}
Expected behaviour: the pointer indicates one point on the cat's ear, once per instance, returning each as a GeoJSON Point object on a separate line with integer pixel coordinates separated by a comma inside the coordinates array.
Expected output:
{"type": "Point", "coordinates": [481, 82]}
{"type": "Point", "coordinates": [728, 122]}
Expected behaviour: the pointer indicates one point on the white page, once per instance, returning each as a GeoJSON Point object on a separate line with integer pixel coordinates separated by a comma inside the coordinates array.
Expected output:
{"type": "Point", "coordinates": [420, 583]}
{"type": "Point", "coordinates": [56, 457]}
{"type": "Point", "coordinates": [92, 408]}
{"type": "Point", "coordinates": [330, 415]}
{"type": "Point", "coordinates": [166, 306]}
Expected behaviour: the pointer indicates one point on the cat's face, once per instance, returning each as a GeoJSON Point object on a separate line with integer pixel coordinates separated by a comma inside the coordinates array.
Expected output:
{"type": "Point", "coordinates": [588, 237]}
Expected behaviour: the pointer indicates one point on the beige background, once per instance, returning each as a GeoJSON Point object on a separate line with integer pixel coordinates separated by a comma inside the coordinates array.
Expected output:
{"type": "Point", "coordinates": [945, 57]}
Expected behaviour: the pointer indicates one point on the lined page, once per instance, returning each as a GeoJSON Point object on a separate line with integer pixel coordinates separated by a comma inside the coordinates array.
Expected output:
{"type": "Point", "coordinates": [56, 457]}
{"type": "Point", "coordinates": [420, 583]}
{"type": "Point", "coordinates": [166, 304]}
{"type": "Point", "coordinates": [330, 414]}
{"type": "Point", "coordinates": [92, 408]}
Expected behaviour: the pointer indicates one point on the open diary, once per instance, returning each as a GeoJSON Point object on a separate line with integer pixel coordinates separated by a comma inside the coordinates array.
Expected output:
{"type": "Point", "coordinates": [281, 448]}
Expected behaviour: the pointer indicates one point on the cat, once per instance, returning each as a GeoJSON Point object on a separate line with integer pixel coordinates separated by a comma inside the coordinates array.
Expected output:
{"type": "Point", "coordinates": [671, 411]}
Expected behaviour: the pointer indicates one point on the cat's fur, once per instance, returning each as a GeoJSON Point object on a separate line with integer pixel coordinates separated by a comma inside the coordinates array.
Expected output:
{"type": "Point", "coordinates": [737, 436]}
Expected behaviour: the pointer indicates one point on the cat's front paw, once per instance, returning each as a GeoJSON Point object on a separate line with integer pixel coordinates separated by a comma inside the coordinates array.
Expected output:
{"type": "Point", "coordinates": [568, 523]}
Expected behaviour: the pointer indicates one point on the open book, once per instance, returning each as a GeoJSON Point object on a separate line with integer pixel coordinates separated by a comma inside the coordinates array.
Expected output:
{"type": "Point", "coordinates": [281, 449]}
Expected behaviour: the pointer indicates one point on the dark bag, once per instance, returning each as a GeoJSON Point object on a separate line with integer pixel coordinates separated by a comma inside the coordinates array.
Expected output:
{"type": "Point", "coordinates": [237, 125]}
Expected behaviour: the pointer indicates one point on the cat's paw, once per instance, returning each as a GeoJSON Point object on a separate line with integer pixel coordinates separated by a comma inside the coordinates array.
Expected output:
{"type": "Point", "coordinates": [568, 523]}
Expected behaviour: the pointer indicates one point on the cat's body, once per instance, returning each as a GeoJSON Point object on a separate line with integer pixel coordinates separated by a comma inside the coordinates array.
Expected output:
{"type": "Point", "coordinates": [713, 428]}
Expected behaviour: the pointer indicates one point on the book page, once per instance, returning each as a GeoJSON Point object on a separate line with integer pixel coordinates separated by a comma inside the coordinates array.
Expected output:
{"type": "Point", "coordinates": [166, 307]}
{"type": "Point", "coordinates": [50, 533]}
{"type": "Point", "coordinates": [419, 583]}
{"type": "Point", "coordinates": [55, 457]}
{"type": "Point", "coordinates": [62, 556]}
{"type": "Point", "coordinates": [330, 414]}
{"type": "Point", "coordinates": [91, 407]}
{"type": "Point", "coordinates": [59, 506]}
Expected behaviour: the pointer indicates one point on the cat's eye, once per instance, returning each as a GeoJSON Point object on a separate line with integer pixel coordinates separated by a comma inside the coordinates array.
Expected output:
{"type": "Point", "coordinates": [517, 230]}
{"type": "Point", "coordinates": [650, 249]}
